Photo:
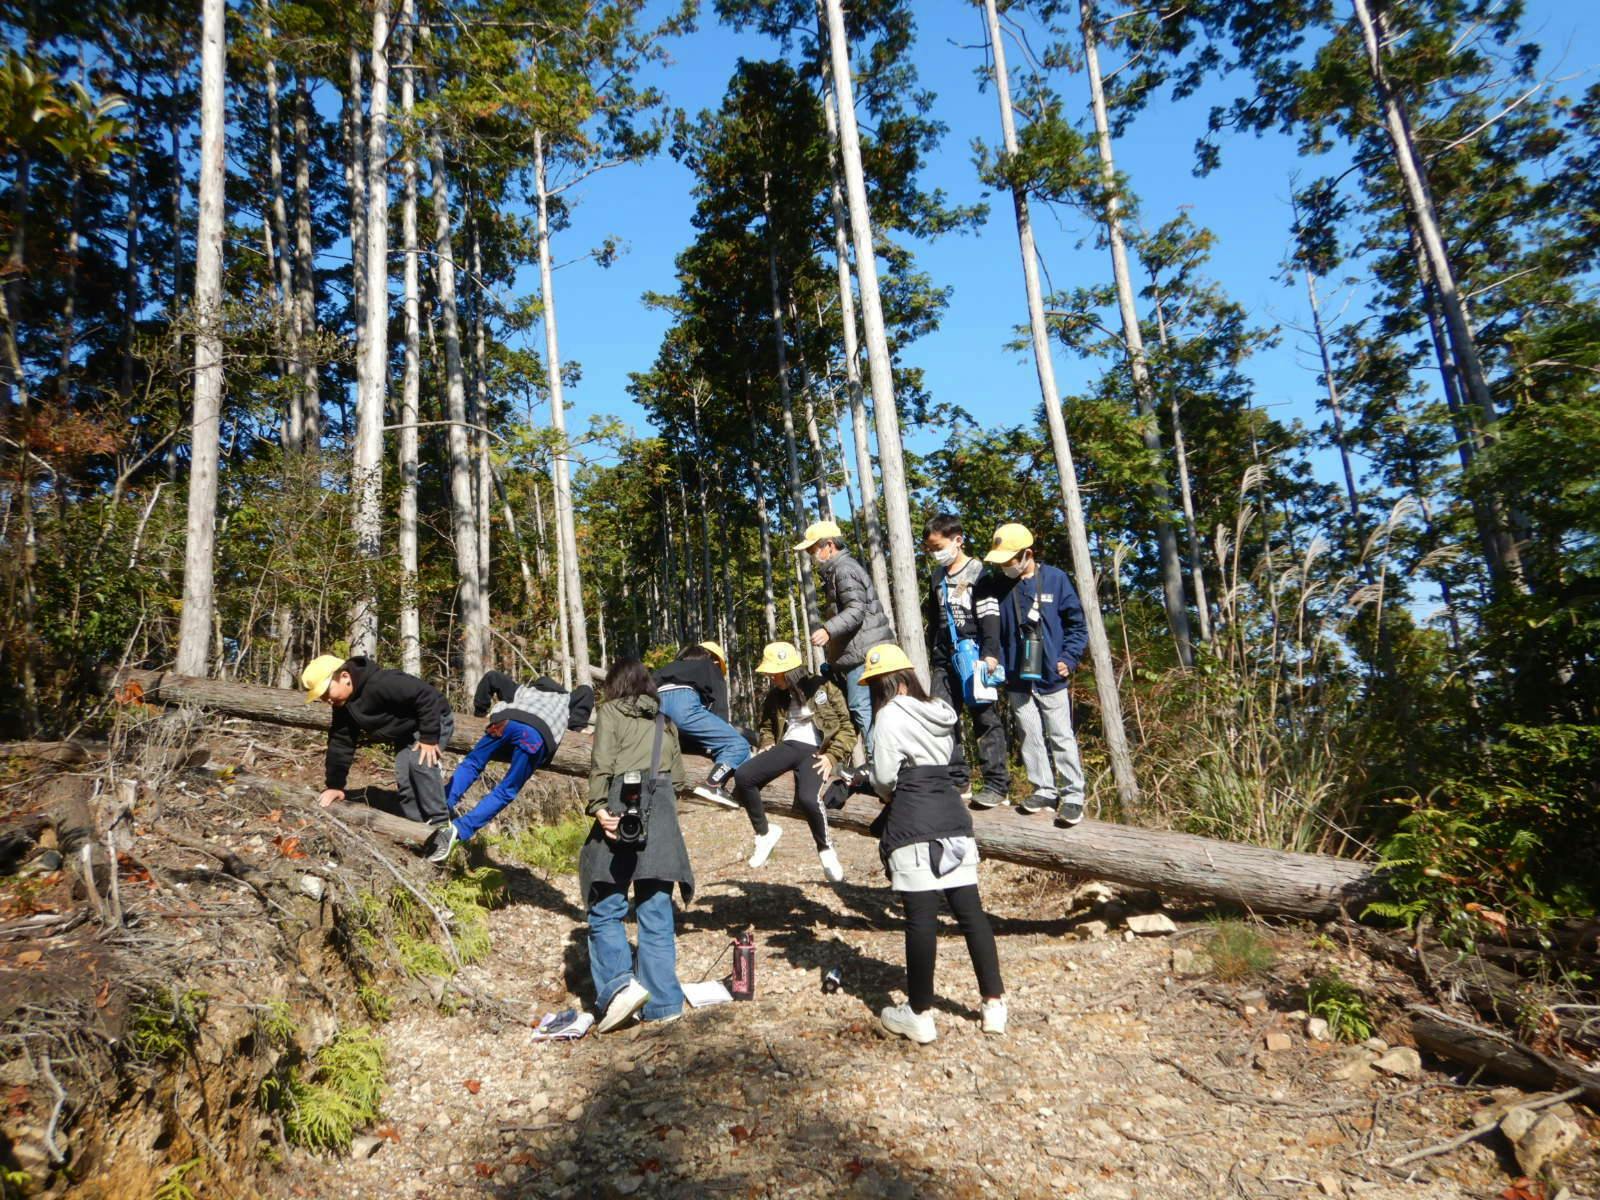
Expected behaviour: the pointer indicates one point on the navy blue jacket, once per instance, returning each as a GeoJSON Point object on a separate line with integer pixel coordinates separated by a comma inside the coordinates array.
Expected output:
{"type": "Point", "coordinates": [1061, 624]}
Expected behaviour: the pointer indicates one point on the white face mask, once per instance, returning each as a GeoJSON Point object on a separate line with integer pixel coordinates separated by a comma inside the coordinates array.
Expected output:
{"type": "Point", "coordinates": [1014, 570]}
{"type": "Point", "coordinates": [946, 555]}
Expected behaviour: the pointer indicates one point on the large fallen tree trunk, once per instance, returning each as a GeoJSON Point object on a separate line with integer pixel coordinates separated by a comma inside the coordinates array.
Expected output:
{"type": "Point", "coordinates": [1174, 864]}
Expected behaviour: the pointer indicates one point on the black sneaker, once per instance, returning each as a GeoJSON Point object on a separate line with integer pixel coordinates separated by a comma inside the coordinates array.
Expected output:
{"type": "Point", "coordinates": [1069, 813]}
{"type": "Point", "coordinates": [1036, 802]}
{"type": "Point", "coordinates": [441, 842]}
{"type": "Point", "coordinates": [720, 778]}
{"type": "Point", "coordinates": [988, 798]}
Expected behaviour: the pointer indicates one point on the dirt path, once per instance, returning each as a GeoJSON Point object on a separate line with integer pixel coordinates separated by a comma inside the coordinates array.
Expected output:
{"type": "Point", "coordinates": [1116, 1078]}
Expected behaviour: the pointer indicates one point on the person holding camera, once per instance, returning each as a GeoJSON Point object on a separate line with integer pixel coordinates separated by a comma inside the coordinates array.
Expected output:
{"type": "Point", "coordinates": [1042, 638]}
{"type": "Point", "coordinates": [805, 729]}
{"type": "Point", "coordinates": [925, 840]}
{"type": "Point", "coordinates": [635, 843]}
{"type": "Point", "coordinates": [961, 613]}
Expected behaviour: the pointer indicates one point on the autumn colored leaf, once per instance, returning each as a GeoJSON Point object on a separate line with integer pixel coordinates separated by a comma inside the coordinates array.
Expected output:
{"type": "Point", "coordinates": [103, 996]}
{"type": "Point", "coordinates": [484, 1170]}
{"type": "Point", "coordinates": [275, 815]}
{"type": "Point", "coordinates": [289, 847]}
{"type": "Point", "coordinates": [522, 1159]}
{"type": "Point", "coordinates": [854, 1168]}
{"type": "Point", "coordinates": [474, 1086]}
{"type": "Point", "coordinates": [130, 693]}
{"type": "Point", "coordinates": [650, 1166]}
{"type": "Point", "coordinates": [132, 869]}
{"type": "Point", "coordinates": [28, 957]}
{"type": "Point", "coordinates": [740, 1134]}
{"type": "Point", "coordinates": [387, 1132]}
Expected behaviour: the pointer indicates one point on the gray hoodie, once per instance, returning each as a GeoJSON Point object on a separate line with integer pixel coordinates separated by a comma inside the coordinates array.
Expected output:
{"type": "Point", "coordinates": [908, 732]}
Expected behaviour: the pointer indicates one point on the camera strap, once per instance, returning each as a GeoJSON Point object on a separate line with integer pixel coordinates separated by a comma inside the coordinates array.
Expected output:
{"type": "Point", "coordinates": [655, 750]}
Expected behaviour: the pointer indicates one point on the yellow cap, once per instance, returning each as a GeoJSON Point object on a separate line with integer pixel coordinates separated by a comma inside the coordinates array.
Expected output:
{"type": "Point", "coordinates": [1009, 541]}
{"type": "Point", "coordinates": [883, 659]}
{"type": "Point", "coordinates": [318, 674]}
{"type": "Point", "coordinates": [716, 649]}
{"type": "Point", "coordinates": [815, 533]}
{"type": "Point", "coordinates": [778, 657]}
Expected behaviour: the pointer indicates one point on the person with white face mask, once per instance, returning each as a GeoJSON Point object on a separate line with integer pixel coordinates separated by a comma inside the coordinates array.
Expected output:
{"type": "Point", "coordinates": [1042, 638]}
{"type": "Point", "coordinates": [961, 606]}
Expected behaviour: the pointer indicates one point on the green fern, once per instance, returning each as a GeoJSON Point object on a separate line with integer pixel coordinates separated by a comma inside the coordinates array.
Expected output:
{"type": "Point", "coordinates": [175, 1185]}
{"type": "Point", "coordinates": [1338, 1003]}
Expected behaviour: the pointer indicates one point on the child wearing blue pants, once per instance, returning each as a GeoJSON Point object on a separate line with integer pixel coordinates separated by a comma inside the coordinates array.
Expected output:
{"type": "Point", "coordinates": [693, 693]}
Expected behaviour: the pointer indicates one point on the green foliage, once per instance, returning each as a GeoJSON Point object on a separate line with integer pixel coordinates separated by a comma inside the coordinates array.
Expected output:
{"type": "Point", "coordinates": [552, 848]}
{"type": "Point", "coordinates": [275, 1021]}
{"type": "Point", "coordinates": [379, 1005]}
{"type": "Point", "coordinates": [323, 1103]}
{"type": "Point", "coordinates": [1341, 1005]}
{"type": "Point", "coordinates": [1239, 951]}
{"type": "Point", "coordinates": [166, 1025]}
{"type": "Point", "coordinates": [174, 1185]}
{"type": "Point", "coordinates": [14, 1183]}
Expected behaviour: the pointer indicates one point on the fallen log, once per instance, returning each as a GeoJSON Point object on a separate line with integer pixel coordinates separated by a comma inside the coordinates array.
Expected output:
{"type": "Point", "coordinates": [60, 754]}
{"type": "Point", "coordinates": [1173, 864]}
{"type": "Point", "coordinates": [1498, 1055]}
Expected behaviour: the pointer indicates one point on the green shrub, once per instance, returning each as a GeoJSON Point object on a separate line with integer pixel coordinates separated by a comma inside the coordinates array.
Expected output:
{"type": "Point", "coordinates": [1341, 1005]}
{"type": "Point", "coordinates": [323, 1107]}
{"type": "Point", "coordinates": [175, 1185]}
{"type": "Point", "coordinates": [166, 1025]}
{"type": "Point", "coordinates": [275, 1021]}
{"type": "Point", "coordinates": [551, 848]}
{"type": "Point", "coordinates": [1239, 951]}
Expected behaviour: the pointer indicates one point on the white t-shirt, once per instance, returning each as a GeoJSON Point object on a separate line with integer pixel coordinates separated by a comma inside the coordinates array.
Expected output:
{"type": "Point", "coordinates": [802, 727]}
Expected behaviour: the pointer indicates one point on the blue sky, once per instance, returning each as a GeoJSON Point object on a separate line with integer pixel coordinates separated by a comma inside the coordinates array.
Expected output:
{"type": "Point", "coordinates": [648, 207]}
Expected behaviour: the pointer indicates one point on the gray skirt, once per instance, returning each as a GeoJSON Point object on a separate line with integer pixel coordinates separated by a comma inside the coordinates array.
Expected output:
{"type": "Point", "coordinates": [911, 866]}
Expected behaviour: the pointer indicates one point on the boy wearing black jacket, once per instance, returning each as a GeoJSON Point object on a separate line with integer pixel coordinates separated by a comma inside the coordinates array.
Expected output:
{"type": "Point", "coordinates": [386, 706]}
{"type": "Point", "coordinates": [693, 693]}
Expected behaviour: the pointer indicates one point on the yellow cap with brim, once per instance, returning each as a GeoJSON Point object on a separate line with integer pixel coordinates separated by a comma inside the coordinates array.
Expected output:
{"type": "Point", "coordinates": [1009, 541]}
{"type": "Point", "coordinates": [884, 659]}
{"type": "Point", "coordinates": [318, 675]}
{"type": "Point", "coordinates": [779, 657]}
{"type": "Point", "coordinates": [816, 532]}
{"type": "Point", "coordinates": [716, 649]}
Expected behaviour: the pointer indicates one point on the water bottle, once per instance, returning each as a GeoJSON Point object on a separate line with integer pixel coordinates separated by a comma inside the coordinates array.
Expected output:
{"type": "Point", "coordinates": [832, 981]}
{"type": "Point", "coordinates": [743, 984]}
{"type": "Point", "coordinates": [1031, 664]}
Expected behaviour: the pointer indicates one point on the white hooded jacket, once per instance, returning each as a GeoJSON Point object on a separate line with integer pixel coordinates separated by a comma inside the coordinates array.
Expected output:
{"type": "Point", "coordinates": [908, 732]}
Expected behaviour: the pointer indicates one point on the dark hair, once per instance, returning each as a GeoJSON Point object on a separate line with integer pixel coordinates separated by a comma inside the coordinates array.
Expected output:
{"type": "Point", "coordinates": [946, 525]}
{"type": "Point", "coordinates": [691, 653]}
{"type": "Point", "coordinates": [629, 677]}
{"type": "Point", "coordinates": [886, 687]}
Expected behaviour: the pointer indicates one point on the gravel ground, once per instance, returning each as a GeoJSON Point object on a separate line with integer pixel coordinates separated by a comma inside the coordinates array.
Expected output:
{"type": "Point", "coordinates": [1117, 1079]}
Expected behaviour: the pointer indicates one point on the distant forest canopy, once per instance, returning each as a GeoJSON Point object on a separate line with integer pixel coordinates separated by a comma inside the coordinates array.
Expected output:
{"type": "Point", "coordinates": [269, 389]}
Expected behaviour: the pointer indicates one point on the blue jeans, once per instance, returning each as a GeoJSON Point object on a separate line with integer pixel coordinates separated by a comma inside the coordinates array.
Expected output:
{"type": "Point", "coordinates": [703, 729]}
{"type": "Point", "coordinates": [611, 960]}
{"type": "Point", "coordinates": [859, 697]}
{"type": "Point", "coordinates": [527, 750]}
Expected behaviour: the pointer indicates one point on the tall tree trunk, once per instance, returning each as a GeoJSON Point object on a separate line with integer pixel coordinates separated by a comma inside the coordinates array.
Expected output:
{"type": "Point", "coordinates": [769, 608]}
{"type": "Point", "coordinates": [305, 273]}
{"type": "Point", "coordinates": [1505, 559]}
{"type": "Point", "coordinates": [564, 626]}
{"type": "Point", "coordinates": [1105, 671]}
{"type": "Point", "coordinates": [194, 626]}
{"type": "Point", "coordinates": [355, 177]}
{"type": "Point", "coordinates": [69, 310]}
{"type": "Point", "coordinates": [820, 481]}
{"type": "Point", "coordinates": [797, 501]}
{"type": "Point", "coordinates": [897, 501]}
{"type": "Point", "coordinates": [17, 384]}
{"type": "Point", "coordinates": [871, 533]}
{"type": "Point", "coordinates": [411, 381]}
{"type": "Point", "coordinates": [288, 325]}
{"type": "Point", "coordinates": [1166, 537]}
{"type": "Point", "coordinates": [463, 523]}
{"type": "Point", "coordinates": [1335, 406]}
{"type": "Point", "coordinates": [367, 462]}
{"type": "Point", "coordinates": [515, 538]}
{"type": "Point", "coordinates": [1180, 451]}
{"type": "Point", "coordinates": [130, 247]}
{"type": "Point", "coordinates": [483, 480]}
{"type": "Point", "coordinates": [566, 524]}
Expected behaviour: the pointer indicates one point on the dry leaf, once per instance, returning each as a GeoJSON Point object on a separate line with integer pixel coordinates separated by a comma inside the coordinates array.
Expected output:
{"type": "Point", "coordinates": [103, 996]}
{"type": "Point", "coordinates": [387, 1132]}
{"type": "Point", "coordinates": [740, 1134]}
{"type": "Point", "coordinates": [289, 847]}
{"type": "Point", "coordinates": [29, 957]}
{"type": "Point", "coordinates": [474, 1085]}
{"type": "Point", "coordinates": [483, 1169]}
{"type": "Point", "coordinates": [275, 815]}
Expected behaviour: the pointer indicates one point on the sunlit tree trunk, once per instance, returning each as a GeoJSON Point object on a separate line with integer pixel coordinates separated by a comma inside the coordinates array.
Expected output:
{"type": "Point", "coordinates": [194, 625]}
{"type": "Point", "coordinates": [566, 524]}
{"type": "Point", "coordinates": [1105, 671]}
{"type": "Point", "coordinates": [1166, 536]}
{"type": "Point", "coordinates": [411, 381]}
{"type": "Point", "coordinates": [305, 277]}
{"type": "Point", "coordinates": [483, 476]}
{"type": "Point", "coordinates": [1180, 451]}
{"type": "Point", "coordinates": [903, 577]}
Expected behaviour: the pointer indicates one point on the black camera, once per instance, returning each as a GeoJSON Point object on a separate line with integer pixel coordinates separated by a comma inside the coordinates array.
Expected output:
{"type": "Point", "coordinates": [634, 822]}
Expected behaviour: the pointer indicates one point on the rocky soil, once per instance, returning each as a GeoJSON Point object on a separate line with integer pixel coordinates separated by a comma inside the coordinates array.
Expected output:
{"type": "Point", "coordinates": [1119, 1076]}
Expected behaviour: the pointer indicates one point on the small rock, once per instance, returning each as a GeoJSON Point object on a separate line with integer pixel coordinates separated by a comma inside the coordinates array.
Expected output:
{"type": "Point", "coordinates": [628, 1185]}
{"type": "Point", "coordinates": [539, 1102]}
{"type": "Point", "coordinates": [1278, 1041]}
{"type": "Point", "coordinates": [1377, 1045]}
{"type": "Point", "coordinates": [566, 1170]}
{"type": "Point", "coordinates": [1093, 929]}
{"type": "Point", "coordinates": [1550, 1137]}
{"type": "Point", "coordinates": [1402, 1062]}
{"type": "Point", "coordinates": [1357, 1070]}
{"type": "Point", "coordinates": [575, 1112]}
{"type": "Point", "coordinates": [1329, 1185]}
{"type": "Point", "coordinates": [1186, 963]}
{"type": "Point", "coordinates": [1152, 924]}
{"type": "Point", "coordinates": [1317, 1029]}
{"type": "Point", "coordinates": [1252, 998]}
{"type": "Point", "coordinates": [1516, 1123]}
{"type": "Point", "coordinates": [364, 1146]}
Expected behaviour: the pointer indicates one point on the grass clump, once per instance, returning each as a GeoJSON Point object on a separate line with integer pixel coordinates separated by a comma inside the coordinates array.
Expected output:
{"type": "Point", "coordinates": [1338, 1002]}
{"type": "Point", "coordinates": [275, 1021]}
{"type": "Point", "coordinates": [323, 1103]}
{"type": "Point", "coordinates": [175, 1185]}
{"type": "Point", "coordinates": [166, 1025]}
{"type": "Point", "coordinates": [1239, 951]}
{"type": "Point", "coordinates": [379, 1005]}
{"type": "Point", "coordinates": [550, 848]}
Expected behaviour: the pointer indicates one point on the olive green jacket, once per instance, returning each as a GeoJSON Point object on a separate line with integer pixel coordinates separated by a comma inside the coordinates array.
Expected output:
{"type": "Point", "coordinates": [828, 709]}
{"type": "Point", "coordinates": [624, 731]}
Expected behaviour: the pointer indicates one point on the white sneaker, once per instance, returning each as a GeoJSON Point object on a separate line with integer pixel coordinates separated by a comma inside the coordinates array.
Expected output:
{"type": "Point", "coordinates": [764, 844]}
{"type": "Point", "coordinates": [916, 1026]}
{"type": "Point", "coordinates": [831, 866]}
{"type": "Point", "coordinates": [994, 1016]}
{"type": "Point", "coordinates": [623, 1005]}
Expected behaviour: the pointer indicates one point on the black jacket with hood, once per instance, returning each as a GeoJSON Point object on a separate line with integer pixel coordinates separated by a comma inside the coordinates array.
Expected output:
{"type": "Point", "coordinates": [701, 674]}
{"type": "Point", "coordinates": [384, 706]}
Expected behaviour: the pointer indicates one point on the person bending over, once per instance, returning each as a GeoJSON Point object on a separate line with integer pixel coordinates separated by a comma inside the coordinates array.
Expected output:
{"type": "Point", "coordinates": [635, 769]}
{"type": "Point", "coordinates": [524, 729]}
{"type": "Point", "coordinates": [925, 840]}
{"type": "Point", "coordinates": [384, 705]}
{"type": "Point", "coordinates": [805, 730]}
{"type": "Point", "coordinates": [693, 689]}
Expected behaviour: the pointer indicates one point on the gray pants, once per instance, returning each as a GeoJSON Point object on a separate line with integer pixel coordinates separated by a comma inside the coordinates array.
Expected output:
{"type": "Point", "coordinates": [422, 788]}
{"type": "Point", "coordinates": [1049, 747]}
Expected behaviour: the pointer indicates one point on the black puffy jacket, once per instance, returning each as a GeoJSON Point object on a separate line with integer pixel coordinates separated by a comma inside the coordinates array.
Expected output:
{"type": "Point", "coordinates": [386, 706]}
{"type": "Point", "coordinates": [858, 622]}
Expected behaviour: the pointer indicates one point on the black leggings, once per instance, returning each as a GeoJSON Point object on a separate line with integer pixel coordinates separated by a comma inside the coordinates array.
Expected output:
{"type": "Point", "coordinates": [922, 942]}
{"type": "Point", "coordinates": [755, 773]}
